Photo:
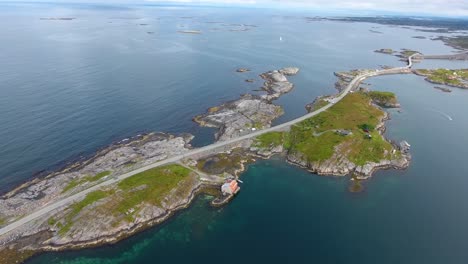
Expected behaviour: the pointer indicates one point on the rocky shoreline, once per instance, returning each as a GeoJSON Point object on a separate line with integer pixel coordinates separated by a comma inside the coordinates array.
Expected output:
{"type": "Point", "coordinates": [53, 233]}
{"type": "Point", "coordinates": [116, 159]}
{"type": "Point", "coordinates": [68, 228]}
{"type": "Point", "coordinates": [250, 112]}
{"type": "Point", "coordinates": [445, 77]}
{"type": "Point", "coordinates": [338, 164]}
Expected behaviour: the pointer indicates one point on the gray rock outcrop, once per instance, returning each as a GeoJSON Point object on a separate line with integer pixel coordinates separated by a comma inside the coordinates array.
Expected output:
{"type": "Point", "coordinates": [276, 83]}
{"type": "Point", "coordinates": [240, 117]}
{"type": "Point", "coordinates": [119, 158]}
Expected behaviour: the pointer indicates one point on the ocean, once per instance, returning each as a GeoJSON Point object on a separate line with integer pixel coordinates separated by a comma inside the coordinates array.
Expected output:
{"type": "Point", "coordinates": [70, 87]}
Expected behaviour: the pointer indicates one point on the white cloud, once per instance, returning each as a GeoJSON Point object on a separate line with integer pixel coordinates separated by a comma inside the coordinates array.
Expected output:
{"type": "Point", "coordinates": [433, 7]}
{"type": "Point", "coordinates": [436, 7]}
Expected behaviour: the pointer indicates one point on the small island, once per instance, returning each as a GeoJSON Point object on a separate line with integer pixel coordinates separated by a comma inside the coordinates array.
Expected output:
{"type": "Point", "coordinates": [385, 51]}
{"type": "Point", "coordinates": [346, 139]}
{"type": "Point", "coordinates": [342, 140]}
{"type": "Point", "coordinates": [454, 78]}
{"type": "Point", "coordinates": [384, 99]}
{"type": "Point", "coordinates": [443, 89]}
{"type": "Point", "coordinates": [241, 70]}
{"type": "Point", "coordinates": [250, 112]}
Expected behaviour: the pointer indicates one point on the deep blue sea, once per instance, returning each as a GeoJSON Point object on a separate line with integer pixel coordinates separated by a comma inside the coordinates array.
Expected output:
{"type": "Point", "coordinates": [68, 88]}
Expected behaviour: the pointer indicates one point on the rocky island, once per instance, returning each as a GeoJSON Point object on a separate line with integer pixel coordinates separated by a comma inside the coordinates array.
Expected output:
{"type": "Point", "coordinates": [443, 89]}
{"type": "Point", "coordinates": [250, 112]}
{"type": "Point", "coordinates": [240, 117]}
{"type": "Point", "coordinates": [385, 51]}
{"type": "Point", "coordinates": [454, 78]}
{"type": "Point", "coordinates": [106, 214]}
{"type": "Point", "coordinates": [342, 140]}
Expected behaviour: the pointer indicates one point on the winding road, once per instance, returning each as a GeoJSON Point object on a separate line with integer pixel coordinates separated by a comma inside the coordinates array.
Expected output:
{"type": "Point", "coordinates": [210, 148]}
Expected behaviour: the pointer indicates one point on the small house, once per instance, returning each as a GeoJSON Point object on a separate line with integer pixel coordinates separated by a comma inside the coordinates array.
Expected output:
{"type": "Point", "coordinates": [230, 187]}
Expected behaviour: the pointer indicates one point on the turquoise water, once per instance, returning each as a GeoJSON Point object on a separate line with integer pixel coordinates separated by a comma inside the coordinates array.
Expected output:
{"type": "Point", "coordinates": [70, 87]}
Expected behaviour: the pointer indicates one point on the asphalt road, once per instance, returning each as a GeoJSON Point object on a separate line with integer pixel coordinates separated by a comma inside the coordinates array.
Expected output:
{"type": "Point", "coordinates": [80, 195]}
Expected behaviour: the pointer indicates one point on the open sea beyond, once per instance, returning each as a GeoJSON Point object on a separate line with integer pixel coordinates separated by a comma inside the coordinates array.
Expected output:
{"type": "Point", "coordinates": [70, 87]}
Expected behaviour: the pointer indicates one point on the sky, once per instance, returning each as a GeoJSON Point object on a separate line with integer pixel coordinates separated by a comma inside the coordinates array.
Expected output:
{"type": "Point", "coordinates": [445, 7]}
{"type": "Point", "coordinates": [430, 7]}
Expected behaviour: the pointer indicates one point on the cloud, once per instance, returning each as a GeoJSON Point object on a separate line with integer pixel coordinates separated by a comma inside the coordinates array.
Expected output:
{"type": "Point", "coordinates": [433, 7]}
{"type": "Point", "coordinates": [436, 7]}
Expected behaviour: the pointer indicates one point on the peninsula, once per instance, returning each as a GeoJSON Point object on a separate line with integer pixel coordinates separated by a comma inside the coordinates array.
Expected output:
{"type": "Point", "coordinates": [140, 182]}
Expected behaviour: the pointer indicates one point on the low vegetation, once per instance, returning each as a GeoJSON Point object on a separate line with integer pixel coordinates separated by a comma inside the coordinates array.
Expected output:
{"type": "Point", "coordinates": [354, 113]}
{"type": "Point", "coordinates": [382, 96]}
{"type": "Point", "coordinates": [76, 182]}
{"type": "Point", "coordinates": [446, 76]}
{"type": "Point", "coordinates": [318, 138]}
{"type": "Point", "coordinates": [407, 53]}
{"type": "Point", "coordinates": [224, 162]}
{"type": "Point", "coordinates": [385, 51]}
{"type": "Point", "coordinates": [460, 42]}
{"type": "Point", "coordinates": [76, 208]}
{"type": "Point", "coordinates": [317, 104]}
{"type": "Point", "coordinates": [150, 186]}
{"type": "Point", "coordinates": [271, 139]}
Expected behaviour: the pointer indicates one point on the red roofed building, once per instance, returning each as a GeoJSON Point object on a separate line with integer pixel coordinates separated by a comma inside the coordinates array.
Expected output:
{"type": "Point", "coordinates": [230, 187]}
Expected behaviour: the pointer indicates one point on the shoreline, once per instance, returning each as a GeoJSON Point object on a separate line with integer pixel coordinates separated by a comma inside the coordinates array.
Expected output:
{"type": "Point", "coordinates": [74, 163]}
{"type": "Point", "coordinates": [121, 234]}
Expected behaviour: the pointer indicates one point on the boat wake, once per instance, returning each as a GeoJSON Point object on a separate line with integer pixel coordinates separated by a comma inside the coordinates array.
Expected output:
{"type": "Point", "coordinates": [443, 114]}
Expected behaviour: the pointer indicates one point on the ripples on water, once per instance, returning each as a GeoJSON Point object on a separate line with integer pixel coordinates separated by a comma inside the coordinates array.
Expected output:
{"type": "Point", "coordinates": [70, 87]}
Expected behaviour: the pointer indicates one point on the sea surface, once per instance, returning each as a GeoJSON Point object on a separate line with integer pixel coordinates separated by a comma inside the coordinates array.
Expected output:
{"type": "Point", "coordinates": [68, 88]}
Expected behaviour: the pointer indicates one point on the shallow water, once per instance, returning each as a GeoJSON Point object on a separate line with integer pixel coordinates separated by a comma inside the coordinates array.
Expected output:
{"type": "Point", "coordinates": [70, 87]}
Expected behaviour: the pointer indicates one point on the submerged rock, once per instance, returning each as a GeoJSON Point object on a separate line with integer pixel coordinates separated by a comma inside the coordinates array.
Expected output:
{"type": "Point", "coordinates": [242, 70]}
{"type": "Point", "coordinates": [289, 71]}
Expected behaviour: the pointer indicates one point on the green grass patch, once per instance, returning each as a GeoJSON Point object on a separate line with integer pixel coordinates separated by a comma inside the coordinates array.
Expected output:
{"type": "Point", "coordinates": [51, 221]}
{"type": "Point", "coordinates": [319, 104]}
{"type": "Point", "coordinates": [408, 53]}
{"type": "Point", "coordinates": [351, 111]}
{"type": "Point", "coordinates": [76, 208]}
{"type": "Point", "coordinates": [150, 186]}
{"type": "Point", "coordinates": [316, 140]}
{"type": "Point", "coordinates": [75, 182]}
{"type": "Point", "coordinates": [271, 139]}
{"type": "Point", "coordinates": [382, 96]}
{"type": "Point", "coordinates": [2, 221]}
{"type": "Point", "coordinates": [314, 148]}
{"type": "Point", "coordinates": [366, 126]}
{"type": "Point", "coordinates": [446, 76]}
{"type": "Point", "coordinates": [97, 176]}
{"type": "Point", "coordinates": [223, 162]}
{"type": "Point", "coordinates": [72, 184]}
{"type": "Point", "coordinates": [364, 150]}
